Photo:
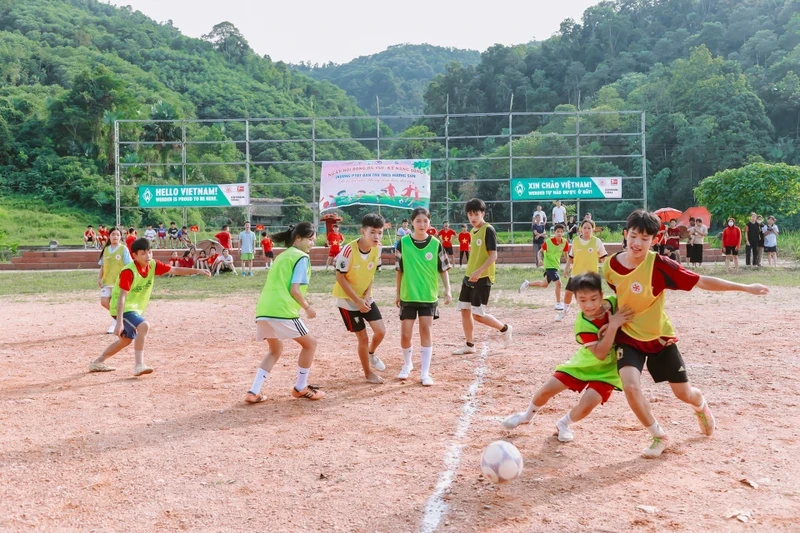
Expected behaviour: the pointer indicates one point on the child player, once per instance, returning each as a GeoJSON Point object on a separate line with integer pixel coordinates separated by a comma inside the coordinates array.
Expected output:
{"type": "Point", "coordinates": [278, 312]}
{"type": "Point", "coordinates": [355, 266]}
{"type": "Point", "coordinates": [335, 240]}
{"type": "Point", "coordinates": [584, 257]}
{"type": "Point", "coordinates": [418, 259]}
{"type": "Point", "coordinates": [266, 246]}
{"type": "Point", "coordinates": [161, 233]}
{"type": "Point", "coordinates": [446, 236]}
{"type": "Point", "coordinates": [478, 279]}
{"type": "Point", "coordinates": [113, 257]}
{"type": "Point", "coordinates": [593, 368]}
{"type": "Point", "coordinates": [464, 239]}
{"type": "Point", "coordinates": [550, 254]}
{"type": "Point", "coordinates": [640, 278]}
{"type": "Point", "coordinates": [129, 301]}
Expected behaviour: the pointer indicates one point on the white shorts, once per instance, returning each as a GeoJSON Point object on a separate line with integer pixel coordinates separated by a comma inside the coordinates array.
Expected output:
{"type": "Point", "coordinates": [479, 311]}
{"type": "Point", "coordinates": [105, 292]}
{"type": "Point", "coordinates": [280, 328]}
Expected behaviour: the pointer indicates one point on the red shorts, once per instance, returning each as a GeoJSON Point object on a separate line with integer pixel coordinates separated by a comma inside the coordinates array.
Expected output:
{"type": "Point", "coordinates": [577, 385]}
{"type": "Point", "coordinates": [333, 252]}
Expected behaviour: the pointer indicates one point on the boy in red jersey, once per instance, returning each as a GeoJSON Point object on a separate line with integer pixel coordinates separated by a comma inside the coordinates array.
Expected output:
{"type": "Point", "coordinates": [446, 236]}
{"type": "Point", "coordinates": [266, 245]}
{"type": "Point", "coordinates": [464, 239]}
{"type": "Point", "coordinates": [335, 240]}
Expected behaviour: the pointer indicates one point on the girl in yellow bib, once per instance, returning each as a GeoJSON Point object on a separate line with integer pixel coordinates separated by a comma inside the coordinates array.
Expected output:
{"type": "Point", "coordinates": [584, 257]}
{"type": "Point", "coordinates": [640, 278]}
{"type": "Point", "coordinates": [113, 258]}
{"type": "Point", "coordinates": [278, 311]}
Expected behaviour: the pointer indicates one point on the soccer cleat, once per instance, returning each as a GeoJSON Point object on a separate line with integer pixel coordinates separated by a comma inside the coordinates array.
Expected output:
{"type": "Point", "coordinates": [705, 420]}
{"type": "Point", "coordinates": [507, 336]}
{"type": "Point", "coordinates": [100, 367]}
{"type": "Point", "coordinates": [464, 350]}
{"type": "Point", "coordinates": [516, 419]}
{"type": "Point", "coordinates": [310, 393]}
{"type": "Point", "coordinates": [657, 446]}
{"type": "Point", "coordinates": [559, 306]}
{"type": "Point", "coordinates": [376, 363]}
{"type": "Point", "coordinates": [141, 370]}
{"type": "Point", "coordinates": [427, 380]}
{"type": "Point", "coordinates": [252, 397]}
{"type": "Point", "coordinates": [405, 372]}
{"type": "Point", "coordinates": [564, 433]}
{"type": "Point", "coordinates": [524, 285]}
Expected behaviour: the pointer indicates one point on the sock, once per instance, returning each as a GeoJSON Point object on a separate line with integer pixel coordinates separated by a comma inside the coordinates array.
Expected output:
{"type": "Point", "coordinates": [702, 404]}
{"type": "Point", "coordinates": [261, 377]}
{"type": "Point", "coordinates": [302, 378]}
{"type": "Point", "coordinates": [113, 322]}
{"type": "Point", "coordinates": [471, 344]}
{"type": "Point", "coordinates": [565, 420]}
{"type": "Point", "coordinates": [505, 328]}
{"type": "Point", "coordinates": [407, 356]}
{"type": "Point", "coordinates": [656, 430]}
{"type": "Point", "coordinates": [139, 357]}
{"type": "Point", "coordinates": [426, 352]}
{"type": "Point", "coordinates": [532, 410]}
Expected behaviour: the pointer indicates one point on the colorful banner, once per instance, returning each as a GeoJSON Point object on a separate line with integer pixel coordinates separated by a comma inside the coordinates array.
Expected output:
{"type": "Point", "coordinates": [565, 188]}
{"type": "Point", "coordinates": [404, 183]}
{"type": "Point", "coordinates": [236, 194]}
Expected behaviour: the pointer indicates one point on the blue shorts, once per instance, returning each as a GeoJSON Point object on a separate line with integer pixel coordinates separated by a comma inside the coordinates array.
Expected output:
{"type": "Point", "coordinates": [552, 275]}
{"type": "Point", "coordinates": [131, 321]}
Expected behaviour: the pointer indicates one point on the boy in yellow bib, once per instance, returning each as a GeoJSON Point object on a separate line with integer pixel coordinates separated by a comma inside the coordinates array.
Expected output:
{"type": "Point", "coordinates": [355, 268]}
{"type": "Point", "coordinates": [640, 278]}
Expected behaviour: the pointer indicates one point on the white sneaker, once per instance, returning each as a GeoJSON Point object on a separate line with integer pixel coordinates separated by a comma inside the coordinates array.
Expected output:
{"type": "Point", "coordinates": [464, 350]}
{"type": "Point", "coordinates": [657, 445]}
{"type": "Point", "coordinates": [516, 419]}
{"type": "Point", "coordinates": [376, 363]}
{"type": "Point", "coordinates": [112, 327]}
{"type": "Point", "coordinates": [507, 336]}
{"type": "Point", "coordinates": [142, 369]}
{"type": "Point", "coordinates": [405, 372]}
{"type": "Point", "coordinates": [559, 306]}
{"type": "Point", "coordinates": [524, 285]}
{"type": "Point", "coordinates": [427, 380]}
{"type": "Point", "coordinates": [564, 433]}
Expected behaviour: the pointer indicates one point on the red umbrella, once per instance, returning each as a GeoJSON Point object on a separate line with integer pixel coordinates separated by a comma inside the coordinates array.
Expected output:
{"type": "Point", "coordinates": [665, 214]}
{"type": "Point", "coordinates": [695, 212]}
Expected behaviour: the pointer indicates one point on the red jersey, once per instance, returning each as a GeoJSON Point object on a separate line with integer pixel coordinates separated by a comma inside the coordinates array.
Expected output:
{"type": "Point", "coordinates": [129, 242]}
{"type": "Point", "coordinates": [186, 262]}
{"type": "Point", "coordinates": [464, 238]}
{"type": "Point", "coordinates": [731, 237]}
{"type": "Point", "coordinates": [224, 239]}
{"type": "Point", "coordinates": [266, 244]}
{"type": "Point", "coordinates": [89, 233]}
{"type": "Point", "coordinates": [589, 339]}
{"type": "Point", "coordinates": [103, 233]}
{"type": "Point", "coordinates": [211, 259]}
{"type": "Point", "coordinates": [556, 244]}
{"type": "Point", "coordinates": [431, 231]}
{"type": "Point", "coordinates": [126, 276]}
{"type": "Point", "coordinates": [335, 241]}
{"type": "Point", "coordinates": [674, 238]}
{"type": "Point", "coordinates": [446, 236]}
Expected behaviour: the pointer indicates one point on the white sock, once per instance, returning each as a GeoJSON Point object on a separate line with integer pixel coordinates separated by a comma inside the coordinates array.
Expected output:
{"type": "Point", "coordinates": [702, 404]}
{"type": "Point", "coordinates": [113, 322]}
{"type": "Point", "coordinates": [426, 352]}
{"type": "Point", "coordinates": [261, 377]}
{"type": "Point", "coordinates": [139, 357]}
{"type": "Point", "coordinates": [302, 378]}
{"type": "Point", "coordinates": [531, 412]}
{"type": "Point", "coordinates": [565, 420]}
{"type": "Point", "coordinates": [656, 430]}
{"type": "Point", "coordinates": [407, 353]}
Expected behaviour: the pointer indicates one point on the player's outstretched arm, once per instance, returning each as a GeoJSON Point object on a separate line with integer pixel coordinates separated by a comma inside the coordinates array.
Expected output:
{"type": "Point", "coordinates": [709, 283]}
{"type": "Point", "coordinates": [184, 271]}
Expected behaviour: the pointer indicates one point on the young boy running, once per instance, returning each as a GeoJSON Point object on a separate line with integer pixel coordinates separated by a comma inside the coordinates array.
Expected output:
{"type": "Point", "coordinates": [129, 300]}
{"type": "Point", "coordinates": [593, 368]}
{"type": "Point", "coordinates": [478, 279]}
{"type": "Point", "coordinates": [418, 259]}
{"type": "Point", "coordinates": [464, 240]}
{"type": "Point", "coordinates": [335, 240]}
{"type": "Point", "coordinates": [355, 266]}
{"type": "Point", "coordinates": [266, 246]}
{"type": "Point", "coordinates": [550, 254]}
{"type": "Point", "coordinates": [640, 278]}
{"type": "Point", "coordinates": [584, 257]}
{"type": "Point", "coordinates": [446, 236]}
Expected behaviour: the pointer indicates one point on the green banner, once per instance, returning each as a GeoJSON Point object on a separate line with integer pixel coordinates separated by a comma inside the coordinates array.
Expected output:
{"type": "Point", "coordinates": [565, 188]}
{"type": "Point", "coordinates": [236, 194]}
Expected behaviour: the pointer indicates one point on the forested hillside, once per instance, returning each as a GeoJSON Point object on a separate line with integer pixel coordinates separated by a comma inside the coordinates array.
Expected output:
{"type": "Point", "coordinates": [399, 75]}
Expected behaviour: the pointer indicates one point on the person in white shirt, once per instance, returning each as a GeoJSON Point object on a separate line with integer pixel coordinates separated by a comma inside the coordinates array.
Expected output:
{"type": "Point", "coordinates": [698, 238]}
{"type": "Point", "coordinates": [771, 232]}
{"type": "Point", "coordinates": [150, 235]}
{"type": "Point", "coordinates": [542, 216]}
{"type": "Point", "coordinates": [224, 263]}
{"type": "Point", "coordinates": [559, 213]}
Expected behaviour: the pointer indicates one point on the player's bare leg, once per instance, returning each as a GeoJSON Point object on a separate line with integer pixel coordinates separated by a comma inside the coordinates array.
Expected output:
{"type": "Point", "coordinates": [274, 353]}
{"type": "Point", "coordinates": [378, 334]}
{"type": "Point", "coordinates": [138, 349]}
{"type": "Point", "coordinates": [98, 365]}
{"type": "Point", "coordinates": [631, 383]}
{"type": "Point", "coordinates": [540, 398]}
{"type": "Point", "coordinates": [694, 397]}
{"type": "Point", "coordinates": [363, 356]}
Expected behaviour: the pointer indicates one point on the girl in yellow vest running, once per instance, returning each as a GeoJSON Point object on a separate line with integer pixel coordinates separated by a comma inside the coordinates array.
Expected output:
{"type": "Point", "coordinates": [584, 257]}
{"type": "Point", "coordinates": [129, 301]}
{"type": "Point", "coordinates": [278, 311]}
{"type": "Point", "coordinates": [355, 268]}
{"type": "Point", "coordinates": [418, 259]}
{"type": "Point", "coordinates": [113, 258]}
{"type": "Point", "coordinates": [640, 278]}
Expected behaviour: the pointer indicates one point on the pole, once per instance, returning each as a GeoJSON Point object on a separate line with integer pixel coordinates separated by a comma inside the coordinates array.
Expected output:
{"type": "Point", "coordinates": [183, 162]}
{"type": "Point", "coordinates": [116, 172]}
{"type": "Point", "coordinates": [578, 156]}
{"type": "Point", "coordinates": [247, 168]}
{"type": "Point", "coordinates": [644, 163]}
{"type": "Point", "coordinates": [446, 159]}
{"type": "Point", "coordinates": [511, 165]}
{"type": "Point", "coordinates": [315, 210]}
{"type": "Point", "coordinates": [378, 133]}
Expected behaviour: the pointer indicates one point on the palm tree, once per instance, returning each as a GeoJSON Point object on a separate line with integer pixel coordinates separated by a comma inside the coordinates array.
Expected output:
{"type": "Point", "coordinates": [168, 134]}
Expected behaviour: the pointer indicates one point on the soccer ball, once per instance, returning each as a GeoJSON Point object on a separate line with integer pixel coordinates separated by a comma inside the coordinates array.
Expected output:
{"type": "Point", "coordinates": [501, 462]}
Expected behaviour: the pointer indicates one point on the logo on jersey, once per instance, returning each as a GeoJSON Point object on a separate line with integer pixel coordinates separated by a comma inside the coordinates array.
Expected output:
{"type": "Point", "coordinates": [118, 257]}
{"type": "Point", "coordinates": [478, 242]}
{"type": "Point", "coordinates": [636, 287]}
{"type": "Point", "coordinates": [428, 256]}
{"type": "Point", "coordinates": [619, 353]}
{"type": "Point", "coordinates": [591, 250]}
{"type": "Point", "coordinates": [370, 265]}
{"type": "Point", "coordinates": [342, 264]}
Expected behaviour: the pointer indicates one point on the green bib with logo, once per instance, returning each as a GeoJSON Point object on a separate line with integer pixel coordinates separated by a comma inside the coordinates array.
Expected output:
{"type": "Point", "coordinates": [276, 300]}
{"type": "Point", "coordinates": [419, 283]}
{"type": "Point", "coordinates": [139, 296]}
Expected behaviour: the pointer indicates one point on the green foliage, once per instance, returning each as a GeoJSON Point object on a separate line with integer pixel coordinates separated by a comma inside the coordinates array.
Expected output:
{"type": "Point", "coordinates": [760, 187]}
{"type": "Point", "coordinates": [292, 214]}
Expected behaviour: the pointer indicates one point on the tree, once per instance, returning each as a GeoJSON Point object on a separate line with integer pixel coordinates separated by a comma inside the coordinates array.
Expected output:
{"type": "Point", "coordinates": [760, 187]}
{"type": "Point", "coordinates": [227, 39]}
{"type": "Point", "coordinates": [165, 133]}
{"type": "Point", "coordinates": [295, 210]}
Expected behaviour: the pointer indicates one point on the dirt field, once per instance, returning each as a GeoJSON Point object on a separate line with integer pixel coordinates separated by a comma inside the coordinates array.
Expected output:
{"type": "Point", "coordinates": [178, 450]}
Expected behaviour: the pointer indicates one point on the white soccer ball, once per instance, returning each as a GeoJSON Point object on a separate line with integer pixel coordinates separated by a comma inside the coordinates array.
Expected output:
{"type": "Point", "coordinates": [501, 462]}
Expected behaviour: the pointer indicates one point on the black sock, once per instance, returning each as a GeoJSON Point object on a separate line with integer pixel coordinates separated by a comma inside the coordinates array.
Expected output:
{"type": "Point", "coordinates": [505, 328]}
{"type": "Point", "coordinates": [471, 344]}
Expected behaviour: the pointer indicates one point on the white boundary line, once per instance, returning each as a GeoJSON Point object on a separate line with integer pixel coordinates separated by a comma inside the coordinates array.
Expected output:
{"type": "Point", "coordinates": [435, 507]}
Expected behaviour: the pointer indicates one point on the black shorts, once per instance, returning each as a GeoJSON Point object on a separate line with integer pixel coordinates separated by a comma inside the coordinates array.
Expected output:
{"type": "Point", "coordinates": [355, 321]}
{"type": "Point", "coordinates": [571, 283]}
{"type": "Point", "coordinates": [666, 365]}
{"type": "Point", "coordinates": [448, 250]}
{"type": "Point", "coordinates": [269, 254]}
{"type": "Point", "coordinates": [731, 250]}
{"type": "Point", "coordinates": [771, 249]}
{"type": "Point", "coordinates": [552, 275]}
{"type": "Point", "coordinates": [411, 310]}
{"type": "Point", "coordinates": [476, 294]}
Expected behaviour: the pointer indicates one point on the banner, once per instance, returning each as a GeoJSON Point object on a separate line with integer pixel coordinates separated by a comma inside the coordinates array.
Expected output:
{"type": "Point", "coordinates": [565, 188]}
{"type": "Point", "coordinates": [236, 194]}
{"type": "Point", "coordinates": [405, 183]}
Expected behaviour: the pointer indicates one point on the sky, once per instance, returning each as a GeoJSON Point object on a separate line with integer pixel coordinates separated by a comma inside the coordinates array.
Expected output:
{"type": "Point", "coordinates": [320, 31]}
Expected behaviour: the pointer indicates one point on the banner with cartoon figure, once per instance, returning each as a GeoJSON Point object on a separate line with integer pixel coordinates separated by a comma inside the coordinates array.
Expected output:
{"type": "Point", "coordinates": [404, 183]}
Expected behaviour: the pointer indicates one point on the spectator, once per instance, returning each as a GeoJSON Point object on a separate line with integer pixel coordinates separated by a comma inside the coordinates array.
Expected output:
{"type": "Point", "coordinates": [187, 260]}
{"type": "Point", "coordinates": [183, 238]}
{"type": "Point", "coordinates": [624, 238]}
{"type": "Point", "coordinates": [173, 235]}
{"type": "Point", "coordinates": [402, 231]}
{"type": "Point", "coordinates": [559, 213]}
{"type": "Point", "coordinates": [224, 263]}
{"type": "Point", "coordinates": [660, 240]}
{"type": "Point", "coordinates": [174, 260]}
{"type": "Point", "coordinates": [202, 260]}
{"type": "Point", "coordinates": [760, 222]}
{"type": "Point", "coordinates": [771, 241]}
{"type": "Point", "coordinates": [542, 215]}
{"type": "Point", "coordinates": [464, 241]}
{"type": "Point", "coordinates": [89, 237]}
{"type": "Point", "coordinates": [731, 242]}
{"type": "Point", "coordinates": [752, 236]}
{"type": "Point", "coordinates": [700, 233]}
{"type": "Point", "coordinates": [266, 246]}
{"type": "Point", "coordinates": [130, 238]}
{"type": "Point", "coordinates": [539, 235]}
{"type": "Point", "coordinates": [247, 249]}
{"type": "Point", "coordinates": [587, 216]}
{"type": "Point", "coordinates": [212, 257]}
{"type": "Point", "coordinates": [150, 235]}
{"type": "Point", "coordinates": [432, 231]}
{"type": "Point", "coordinates": [672, 253]}
{"type": "Point", "coordinates": [673, 240]}
{"type": "Point", "coordinates": [161, 233]}
{"type": "Point", "coordinates": [224, 237]}
{"type": "Point", "coordinates": [572, 228]}
{"type": "Point", "coordinates": [102, 235]}
{"type": "Point", "coordinates": [335, 240]}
